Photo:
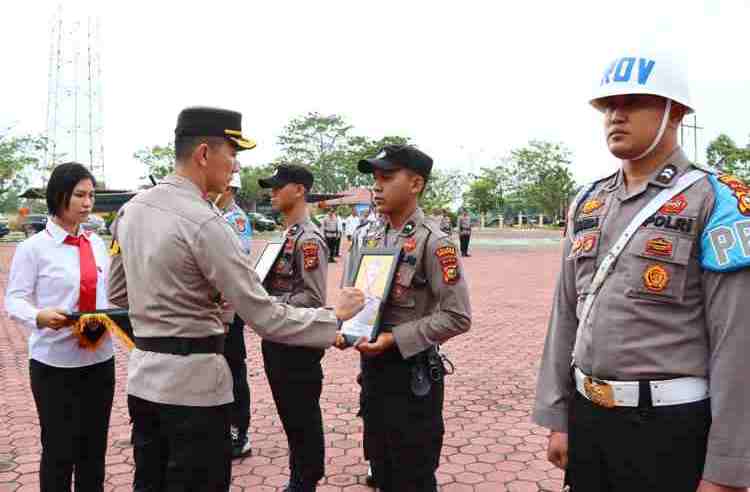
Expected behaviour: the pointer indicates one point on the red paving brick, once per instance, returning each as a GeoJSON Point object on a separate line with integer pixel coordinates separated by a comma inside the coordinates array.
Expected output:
{"type": "Point", "coordinates": [490, 444]}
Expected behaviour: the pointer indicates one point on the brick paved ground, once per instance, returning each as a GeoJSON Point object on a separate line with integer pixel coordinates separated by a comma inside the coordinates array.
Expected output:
{"type": "Point", "coordinates": [490, 444]}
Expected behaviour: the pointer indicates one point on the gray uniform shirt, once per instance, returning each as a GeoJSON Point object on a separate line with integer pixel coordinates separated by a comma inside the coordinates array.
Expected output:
{"type": "Point", "coordinates": [429, 300]}
{"type": "Point", "coordinates": [176, 254]}
{"type": "Point", "coordinates": [464, 226]}
{"type": "Point", "coordinates": [659, 314]}
{"type": "Point", "coordinates": [300, 273]}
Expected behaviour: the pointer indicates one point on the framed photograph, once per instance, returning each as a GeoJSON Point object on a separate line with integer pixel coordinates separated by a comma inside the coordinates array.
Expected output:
{"type": "Point", "coordinates": [267, 258]}
{"type": "Point", "coordinates": [373, 273]}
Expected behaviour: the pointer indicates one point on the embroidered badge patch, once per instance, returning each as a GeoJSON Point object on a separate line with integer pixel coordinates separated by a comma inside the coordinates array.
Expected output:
{"type": "Point", "coordinates": [675, 205]}
{"type": "Point", "coordinates": [741, 192]}
{"type": "Point", "coordinates": [591, 205]}
{"type": "Point", "coordinates": [410, 245]}
{"type": "Point", "coordinates": [240, 223]}
{"type": "Point", "coordinates": [310, 255]}
{"type": "Point", "coordinates": [398, 291]}
{"type": "Point", "coordinates": [583, 244]}
{"type": "Point", "coordinates": [659, 247]}
{"type": "Point", "coordinates": [449, 263]}
{"type": "Point", "coordinates": [655, 278]}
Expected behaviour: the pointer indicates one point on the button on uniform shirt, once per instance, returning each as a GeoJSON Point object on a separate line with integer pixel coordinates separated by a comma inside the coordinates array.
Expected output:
{"type": "Point", "coordinates": [176, 254]}
{"type": "Point", "coordinates": [675, 304]}
{"type": "Point", "coordinates": [45, 273]}
{"type": "Point", "coordinates": [429, 300]}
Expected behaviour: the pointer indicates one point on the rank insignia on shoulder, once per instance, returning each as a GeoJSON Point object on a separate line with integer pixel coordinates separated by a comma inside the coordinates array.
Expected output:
{"type": "Point", "coordinates": [675, 205]}
{"type": "Point", "coordinates": [591, 205]}
{"type": "Point", "coordinates": [409, 229]}
{"type": "Point", "coordinates": [660, 246]}
{"type": "Point", "coordinates": [310, 255]}
{"type": "Point", "coordinates": [410, 245]}
{"type": "Point", "coordinates": [449, 264]}
{"type": "Point", "coordinates": [656, 278]}
{"type": "Point", "coordinates": [667, 174]}
{"type": "Point", "coordinates": [114, 248]}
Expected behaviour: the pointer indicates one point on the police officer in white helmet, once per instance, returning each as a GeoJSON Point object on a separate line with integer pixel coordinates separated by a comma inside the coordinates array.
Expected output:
{"type": "Point", "coordinates": [643, 379]}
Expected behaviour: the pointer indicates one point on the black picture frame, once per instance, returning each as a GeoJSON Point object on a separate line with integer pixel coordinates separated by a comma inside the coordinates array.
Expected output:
{"type": "Point", "coordinates": [367, 322]}
{"type": "Point", "coordinates": [267, 259]}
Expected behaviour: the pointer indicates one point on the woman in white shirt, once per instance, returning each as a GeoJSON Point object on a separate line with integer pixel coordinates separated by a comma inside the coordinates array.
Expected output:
{"type": "Point", "coordinates": [57, 271]}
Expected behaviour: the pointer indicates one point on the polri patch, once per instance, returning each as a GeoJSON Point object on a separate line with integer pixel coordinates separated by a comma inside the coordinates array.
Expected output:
{"type": "Point", "coordinates": [447, 256]}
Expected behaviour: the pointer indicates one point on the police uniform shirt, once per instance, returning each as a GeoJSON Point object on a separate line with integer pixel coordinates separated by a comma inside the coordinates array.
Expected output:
{"type": "Point", "coordinates": [299, 275]}
{"type": "Point", "coordinates": [429, 300]}
{"type": "Point", "coordinates": [674, 305]}
{"type": "Point", "coordinates": [330, 226]}
{"type": "Point", "coordinates": [174, 252]}
{"type": "Point", "coordinates": [464, 226]}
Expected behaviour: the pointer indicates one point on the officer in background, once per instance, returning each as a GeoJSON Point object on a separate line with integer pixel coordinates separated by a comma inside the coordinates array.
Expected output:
{"type": "Point", "coordinates": [175, 259]}
{"type": "Point", "coordinates": [402, 371]}
{"type": "Point", "coordinates": [234, 347]}
{"type": "Point", "coordinates": [331, 233]}
{"type": "Point", "coordinates": [656, 398]}
{"type": "Point", "coordinates": [446, 225]}
{"type": "Point", "coordinates": [464, 232]}
{"type": "Point", "coordinates": [295, 375]}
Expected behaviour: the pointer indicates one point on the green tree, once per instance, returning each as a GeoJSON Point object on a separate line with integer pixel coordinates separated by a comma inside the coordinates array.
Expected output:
{"type": "Point", "coordinates": [443, 189]}
{"type": "Point", "coordinates": [540, 178]}
{"type": "Point", "coordinates": [724, 154]}
{"type": "Point", "coordinates": [19, 157]}
{"type": "Point", "coordinates": [481, 196]}
{"type": "Point", "coordinates": [251, 192]}
{"type": "Point", "coordinates": [327, 146]}
{"type": "Point", "coordinates": [158, 160]}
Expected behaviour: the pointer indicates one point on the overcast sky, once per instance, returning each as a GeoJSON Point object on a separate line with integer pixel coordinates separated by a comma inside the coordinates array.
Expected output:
{"type": "Point", "coordinates": [467, 81]}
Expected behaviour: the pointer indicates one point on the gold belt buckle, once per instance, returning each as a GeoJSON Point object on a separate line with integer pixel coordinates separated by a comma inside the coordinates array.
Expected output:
{"type": "Point", "coordinates": [599, 392]}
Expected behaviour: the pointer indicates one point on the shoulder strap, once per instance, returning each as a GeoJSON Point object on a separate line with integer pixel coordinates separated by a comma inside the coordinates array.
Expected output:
{"type": "Point", "coordinates": [607, 264]}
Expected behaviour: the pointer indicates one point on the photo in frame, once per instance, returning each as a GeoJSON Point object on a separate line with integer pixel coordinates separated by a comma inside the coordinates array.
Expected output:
{"type": "Point", "coordinates": [373, 273]}
{"type": "Point", "coordinates": [267, 259]}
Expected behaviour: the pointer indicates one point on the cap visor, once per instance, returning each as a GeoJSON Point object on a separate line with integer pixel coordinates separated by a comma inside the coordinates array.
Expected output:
{"type": "Point", "coordinates": [243, 143]}
{"type": "Point", "coordinates": [272, 182]}
{"type": "Point", "coordinates": [369, 165]}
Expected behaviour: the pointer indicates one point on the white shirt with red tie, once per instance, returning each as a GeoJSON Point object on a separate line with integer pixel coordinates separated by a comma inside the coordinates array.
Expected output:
{"type": "Point", "coordinates": [45, 273]}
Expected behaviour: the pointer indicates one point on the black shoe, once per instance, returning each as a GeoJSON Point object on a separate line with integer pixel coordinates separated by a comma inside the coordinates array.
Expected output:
{"type": "Point", "coordinates": [240, 444]}
{"type": "Point", "coordinates": [370, 480]}
{"type": "Point", "coordinates": [296, 485]}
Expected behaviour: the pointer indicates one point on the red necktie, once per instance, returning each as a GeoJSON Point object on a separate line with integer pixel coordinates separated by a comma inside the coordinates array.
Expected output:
{"type": "Point", "coordinates": [87, 299]}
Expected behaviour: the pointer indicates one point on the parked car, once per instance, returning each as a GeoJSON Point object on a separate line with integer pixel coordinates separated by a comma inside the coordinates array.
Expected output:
{"type": "Point", "coordinates": [34, 223]}
{"type": "Point", "coordinates": [261, 222]}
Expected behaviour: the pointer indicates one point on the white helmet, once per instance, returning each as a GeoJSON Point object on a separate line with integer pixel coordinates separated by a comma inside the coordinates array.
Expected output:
{"type": "Point", "coordinates": [645, 74]}
{"type": "Point", "coordinates": [641, 73]}
{"type": "Point", "coordinates": [236, 181]}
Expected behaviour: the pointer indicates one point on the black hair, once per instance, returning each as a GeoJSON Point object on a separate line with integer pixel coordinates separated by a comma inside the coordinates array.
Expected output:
{"type": "Point", "coordinates": [61, 183]}
{"type": "Point", "coordinates": [184, 146]}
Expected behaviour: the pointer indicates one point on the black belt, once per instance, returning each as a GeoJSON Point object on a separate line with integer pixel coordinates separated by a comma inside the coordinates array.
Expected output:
{"type": "Point", "coordinates": [182, 346]}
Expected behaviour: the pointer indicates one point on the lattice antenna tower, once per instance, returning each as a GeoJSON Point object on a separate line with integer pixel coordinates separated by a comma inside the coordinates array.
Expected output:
{"type": "Point", "coordinates": [75, 108]}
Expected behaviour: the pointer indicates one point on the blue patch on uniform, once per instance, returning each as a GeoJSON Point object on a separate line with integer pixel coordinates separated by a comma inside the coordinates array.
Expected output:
{"type": "Point", "coordinates": [725, 244]}
{"type": "Point", "coordinates": [241, 226]}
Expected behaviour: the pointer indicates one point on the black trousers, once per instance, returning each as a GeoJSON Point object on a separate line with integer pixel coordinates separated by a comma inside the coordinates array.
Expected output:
{"type": "Point", "coordinates": [236, 353]}
{"type": "Point", "coordinates": [331, 243]}
{"type": "Point", "coordinates": [179, 448]}
{"type": "Point", "coordinates": [74, 405]}
{"type": "Point", "coordinates": [464, 244]}
{"type": "Point", "coordinates": [645, 449]}
{"type": "Point", "coordinates": [403, 433]}
{"type": "Point", "coordinates": [338, 246]}
{"type": "Point", "coordinates": [296, 379]}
